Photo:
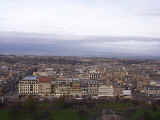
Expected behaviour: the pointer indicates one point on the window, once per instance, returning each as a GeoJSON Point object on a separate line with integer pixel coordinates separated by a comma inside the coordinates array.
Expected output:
{"type": "Point", "coordinates": [31, 87]}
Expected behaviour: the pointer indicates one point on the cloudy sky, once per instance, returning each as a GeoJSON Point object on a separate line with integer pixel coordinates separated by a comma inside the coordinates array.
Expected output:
{"type": "Point", "coordinates": [78, 19]}
{"type": "Point", "coordinates": [82, 17]}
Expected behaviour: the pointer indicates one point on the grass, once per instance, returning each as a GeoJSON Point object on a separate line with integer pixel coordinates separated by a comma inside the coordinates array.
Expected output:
{"type": "Point", "coordinates": [4, 115]}
{"type": "Point", "coordinates": [146, 114]}
{"type": "Point", "coordinates": [66, 114]}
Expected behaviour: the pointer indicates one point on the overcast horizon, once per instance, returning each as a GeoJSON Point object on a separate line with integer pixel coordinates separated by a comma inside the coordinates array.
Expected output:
{"type": "Point", "coordinates": [80, 27]}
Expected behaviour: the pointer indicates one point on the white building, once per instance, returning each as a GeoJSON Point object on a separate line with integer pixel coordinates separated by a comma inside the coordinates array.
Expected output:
{"type": "Point", "coordinates": [29, 86]}
{"type": "Point", "coordinates": [105, 91]}
{"type": "Point", "coordinates": [155, 83]}
{"type": "Point", "coordinates": [127, 92]}
{"type": "Point", "coordinates": [94, 75]}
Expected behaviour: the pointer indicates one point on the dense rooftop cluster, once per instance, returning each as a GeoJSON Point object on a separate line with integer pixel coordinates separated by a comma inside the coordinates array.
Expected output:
{"type": "Point", "coordinates": [79, 77]}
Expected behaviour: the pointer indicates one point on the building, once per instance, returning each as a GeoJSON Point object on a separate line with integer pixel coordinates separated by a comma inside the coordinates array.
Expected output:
{"type": "Point", "coordinates": [62, 87]}
{"type": "Point", "coordinates": [106, 91]}
{"type": "Point", "coordinates": [45, 86]}
{"type": "Point", "coordinates": [76, 88]}
{"type": "Point", "coordinates": [154, 83]}
{"type": "Point", "coordinates": [152, 91]}
{"type": "Point", "coordinates": [44, 74]}
{"type": "Point", "coordinates": [94, 75]}
{"type": "Point", "coordinates": [127, 93]}
{"type": "Point", "coordinates": [84, 87]}
{"type": "Point", "coordinates": [92, 88]}
{"type": "Point", "coordinates": [29, 86]}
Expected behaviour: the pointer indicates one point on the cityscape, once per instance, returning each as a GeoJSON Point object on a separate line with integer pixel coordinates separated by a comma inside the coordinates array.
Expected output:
{"type": "Point", "coordinates": [78, 79]}
{"type": "Point", "coordinates": [79, 60]}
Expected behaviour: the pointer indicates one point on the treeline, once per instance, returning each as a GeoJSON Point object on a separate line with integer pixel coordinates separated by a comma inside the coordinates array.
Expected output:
{"type": "Point", "coordinates": [64, 109]}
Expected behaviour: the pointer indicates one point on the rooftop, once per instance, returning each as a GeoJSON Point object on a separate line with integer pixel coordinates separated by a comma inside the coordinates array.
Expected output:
{"type": "Point", "coordinates": [45, 79]}
{"type": "Point", "coordinates": [30, 78]}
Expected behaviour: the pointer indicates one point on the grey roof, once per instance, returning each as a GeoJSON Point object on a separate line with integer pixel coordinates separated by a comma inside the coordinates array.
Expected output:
{"type": "Point", "coordinates": [30, 78]}
{"type": "Point", "coordinates": [152, 87]}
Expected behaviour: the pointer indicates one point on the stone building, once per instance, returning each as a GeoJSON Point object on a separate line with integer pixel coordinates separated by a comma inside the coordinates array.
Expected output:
{"type": "Point", "coordinates": [152, 91]}
{"type": "Point", "coordinates": [106, 91]}
{"type": "Point", "coordinates": [45, 86]}
{"type": "Point", "coordinates": [29, 86]}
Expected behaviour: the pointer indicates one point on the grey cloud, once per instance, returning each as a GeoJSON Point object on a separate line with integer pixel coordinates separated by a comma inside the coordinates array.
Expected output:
{"type": "Point", "coordinates": [17, 37]}
{"type": "Point", "coordinates": [88, 45]}
{"type": "Point", "coordinates": [150, 12]}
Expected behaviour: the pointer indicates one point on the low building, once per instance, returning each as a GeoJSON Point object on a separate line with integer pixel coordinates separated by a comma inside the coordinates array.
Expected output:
{"type": "Point", "coordinates": [62, 87]}
{"type": "Point", "coordinates": [127, 93]}
{"type": "Point", "coordinates": [62, 91]}
{"type": "Point", "coordinates": [43, 74]}
{"type": "Point", "coordinates": [154, 83]}
{"type": "Point", "coordinates": [152, 91]}
{"type": "Point", "coordinates": [106, 91]}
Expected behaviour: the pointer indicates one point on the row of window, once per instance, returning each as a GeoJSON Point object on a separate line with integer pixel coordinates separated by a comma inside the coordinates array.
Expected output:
{"type": "Point", "coordinates": [27, 92]}
{"type": "Point", "coordinates": [153, 94]}
{"type": "Point", "coordinates": [28, 86]}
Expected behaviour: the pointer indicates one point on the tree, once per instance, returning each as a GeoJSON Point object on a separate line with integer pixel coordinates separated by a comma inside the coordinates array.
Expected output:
{"type": "Point", "coordinates": [30, 104]}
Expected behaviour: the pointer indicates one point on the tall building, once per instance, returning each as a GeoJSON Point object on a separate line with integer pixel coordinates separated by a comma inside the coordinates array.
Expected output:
{"type": "Point", "coordinates": [76, 88]}
{"type": "Point", "coordinates": [29, 86]}
{"type": "Point", "coordinates": [45, 86]}
{"type": "Point", "coordinates": [92, 87]}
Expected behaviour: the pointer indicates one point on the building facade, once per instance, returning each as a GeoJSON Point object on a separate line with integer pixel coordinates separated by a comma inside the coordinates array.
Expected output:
{"type": "Point", "coordinates": [106, 91]}
{"type": "Point", "coordinates": [152, 91]}
{"type": "Point", "coordinates": [45, 86]}
{"type": "Point", "coordinates": [29, 86]}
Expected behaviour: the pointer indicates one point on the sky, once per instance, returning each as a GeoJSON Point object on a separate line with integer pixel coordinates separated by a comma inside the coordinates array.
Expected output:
{"type": "Point", "coordinates": [82, 17]}
{"type": "Point", "coordinates": [85, 20]}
